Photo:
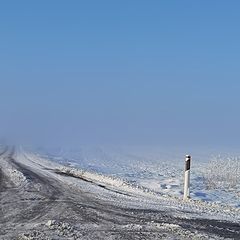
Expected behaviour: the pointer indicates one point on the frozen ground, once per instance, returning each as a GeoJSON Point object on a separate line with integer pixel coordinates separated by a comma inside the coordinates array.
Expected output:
{"type": "Point", "coordinates": [159, 170]}
{"type": "Point", "coordinates": [42, 199]}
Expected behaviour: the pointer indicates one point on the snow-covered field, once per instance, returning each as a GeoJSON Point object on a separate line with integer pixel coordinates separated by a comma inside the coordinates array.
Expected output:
{"type": "Point", "coordinates": [159, 169]}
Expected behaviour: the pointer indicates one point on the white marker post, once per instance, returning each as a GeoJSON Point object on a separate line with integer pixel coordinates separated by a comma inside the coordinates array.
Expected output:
{"type": "Point", "coordinates": [187, 178]}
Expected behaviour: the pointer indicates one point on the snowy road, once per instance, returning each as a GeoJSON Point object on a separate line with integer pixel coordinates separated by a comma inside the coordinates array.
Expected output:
{"type": "Point", "coordinates": [39, 201]}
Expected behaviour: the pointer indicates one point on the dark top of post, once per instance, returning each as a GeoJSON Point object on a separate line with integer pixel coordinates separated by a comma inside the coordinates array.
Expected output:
{"type": "Point", "coordinates": [187, 162]}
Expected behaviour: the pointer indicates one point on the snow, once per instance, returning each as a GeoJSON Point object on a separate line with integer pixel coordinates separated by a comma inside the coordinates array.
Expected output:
{"type": "Point", "coordinates": [149, 168]}
{"type": "Point", "coordinates": [147, 171]}
{"type": "Point", "coordinates": [146, 190]}
{"type": "Point", "coordinates": [16, 176]}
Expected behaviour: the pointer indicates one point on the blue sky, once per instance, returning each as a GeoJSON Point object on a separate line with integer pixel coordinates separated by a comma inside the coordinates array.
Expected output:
{"type": "Point", "coordinates": [122, 72]}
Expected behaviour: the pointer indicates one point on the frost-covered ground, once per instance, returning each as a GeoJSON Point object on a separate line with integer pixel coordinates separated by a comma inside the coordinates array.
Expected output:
{"type": "Point", "coordinates": [154, 168]}
{"type": "Point", "coordinates": [43, 199]}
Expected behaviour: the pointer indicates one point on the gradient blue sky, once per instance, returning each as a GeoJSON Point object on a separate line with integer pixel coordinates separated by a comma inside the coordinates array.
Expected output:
{"type": "Point", "coordinates": [122, 72]}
